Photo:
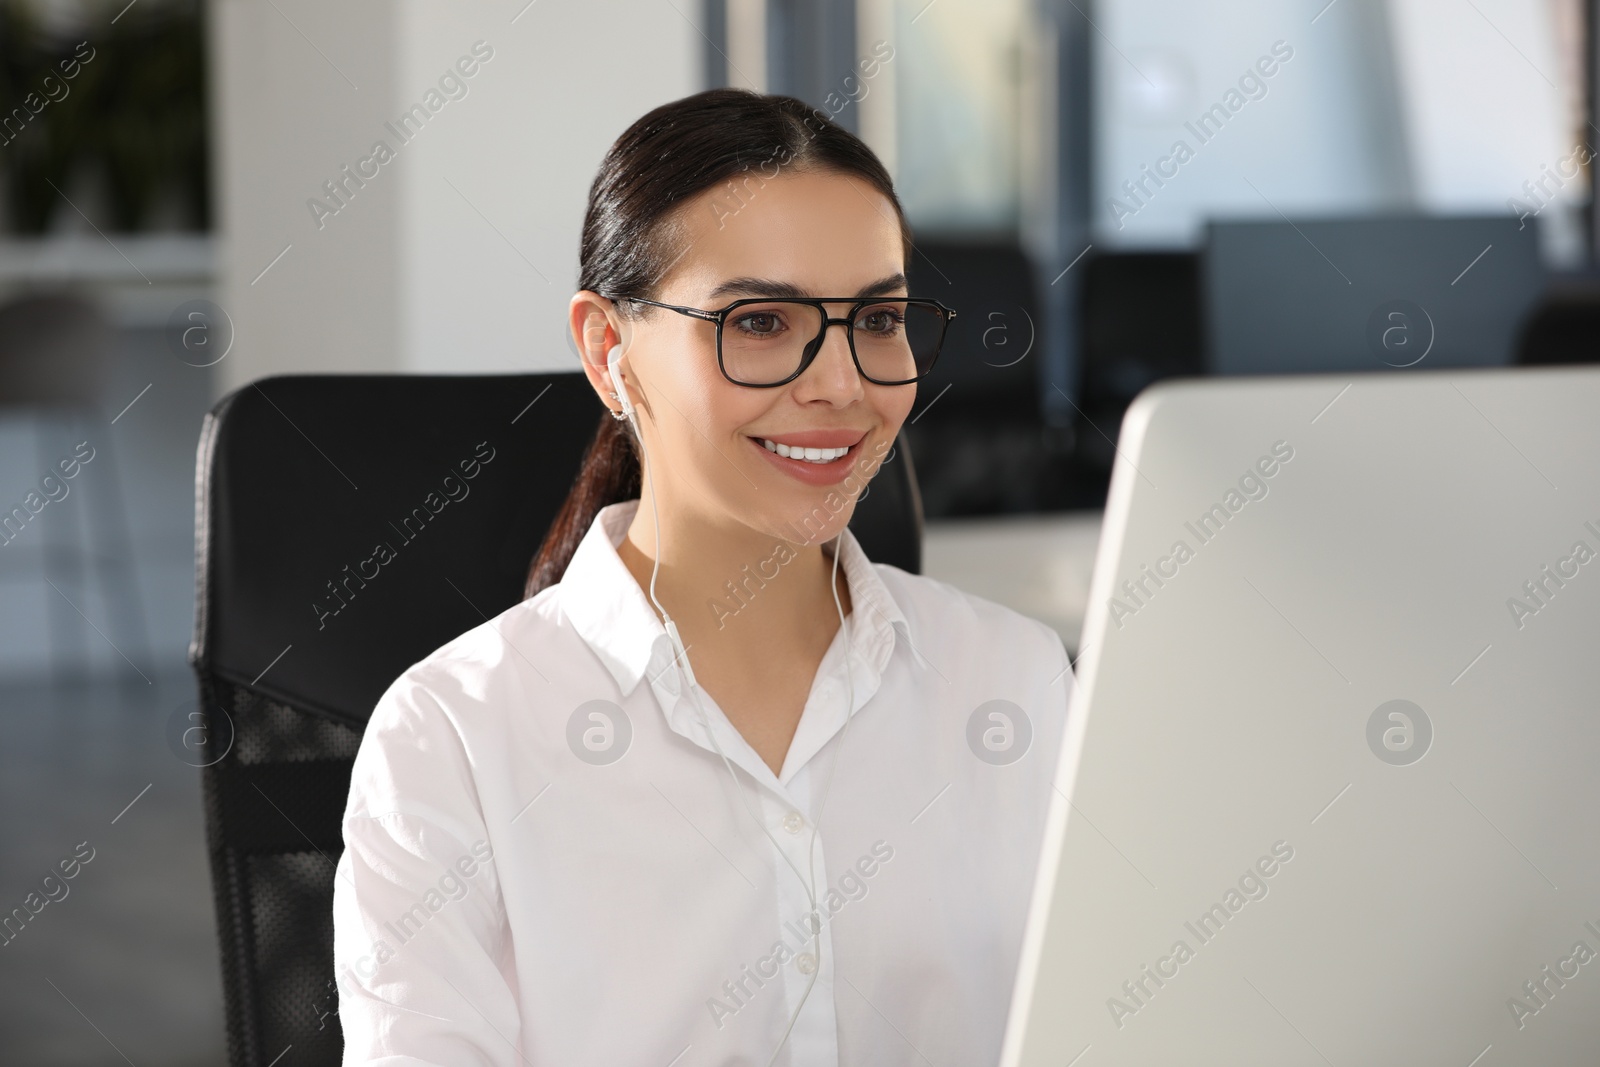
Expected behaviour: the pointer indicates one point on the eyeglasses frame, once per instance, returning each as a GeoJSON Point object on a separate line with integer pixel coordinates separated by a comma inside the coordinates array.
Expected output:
{"type": "Point", "coordinates": [814, 346]}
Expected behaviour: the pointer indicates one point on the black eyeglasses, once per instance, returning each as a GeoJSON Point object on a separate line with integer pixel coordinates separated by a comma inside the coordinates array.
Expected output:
{"type": "Point", "coordinates": [765, 342]}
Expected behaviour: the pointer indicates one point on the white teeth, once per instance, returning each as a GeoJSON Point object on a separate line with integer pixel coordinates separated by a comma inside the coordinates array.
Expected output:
{"type": "Point", "coordinates": [809, 455]}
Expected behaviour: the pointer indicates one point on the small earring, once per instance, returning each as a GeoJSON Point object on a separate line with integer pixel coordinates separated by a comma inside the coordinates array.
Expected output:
{"type": "Point", "coordinates": [616, 413]}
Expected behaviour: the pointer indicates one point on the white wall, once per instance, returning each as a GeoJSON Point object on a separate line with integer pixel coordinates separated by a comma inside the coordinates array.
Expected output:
{"type": "Point", "coordinates": [412, 274]}
{"type": "Point", "coordinates": [489, 291]}
{"type": "Point", "coordinates": [283, 120]}
{"type": "Point", "coordinates": [1482, 99]}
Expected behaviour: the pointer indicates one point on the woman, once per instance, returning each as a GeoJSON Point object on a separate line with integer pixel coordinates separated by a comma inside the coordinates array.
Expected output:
{"type": "Point", "coordinates": [630, 820]}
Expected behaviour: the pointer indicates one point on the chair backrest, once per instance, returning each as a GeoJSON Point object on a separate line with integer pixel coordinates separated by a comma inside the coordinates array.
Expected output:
{"type": "Point", "coordinates": [984, 362]}
{"type": "Point", "coordinates": [346, 526]}
{"type": "Point", "coordinates": [1563, 327]}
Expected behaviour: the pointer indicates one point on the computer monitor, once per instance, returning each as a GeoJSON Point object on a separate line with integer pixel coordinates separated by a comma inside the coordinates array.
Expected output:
{"type": "Point", "coordinates": [1333, 759]}
{"type": "Point", "coordinates": [1367, 294]}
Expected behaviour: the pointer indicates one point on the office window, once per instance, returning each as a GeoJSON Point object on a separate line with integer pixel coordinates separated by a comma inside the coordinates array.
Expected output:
{"type": "Point", "coordinates": [957, 84]}
{"type": "Point", "coordinates": [1370, 107]}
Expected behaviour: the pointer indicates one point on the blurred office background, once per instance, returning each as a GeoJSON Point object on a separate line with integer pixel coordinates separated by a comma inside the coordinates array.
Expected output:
{"type": "Point", "coordinates": [178, 218]}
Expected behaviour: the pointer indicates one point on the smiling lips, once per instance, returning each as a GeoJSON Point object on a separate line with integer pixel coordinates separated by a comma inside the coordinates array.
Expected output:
{"type": "Point", "coordinates": [810, 455]}
{"type": "Point", "coordinates": [816, 457]}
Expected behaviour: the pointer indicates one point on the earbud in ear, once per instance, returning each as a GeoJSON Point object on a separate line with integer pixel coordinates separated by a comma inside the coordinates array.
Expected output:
{"type": "Point", "coordinates": [614, 357]}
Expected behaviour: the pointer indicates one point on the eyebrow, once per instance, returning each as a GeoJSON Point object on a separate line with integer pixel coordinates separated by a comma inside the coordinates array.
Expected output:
{"type": "Point", "coordinates": [785, 290]}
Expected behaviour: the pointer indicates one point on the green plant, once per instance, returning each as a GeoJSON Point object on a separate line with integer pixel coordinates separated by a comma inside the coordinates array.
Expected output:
{"type": "Point", "coordinates": [133, 110]}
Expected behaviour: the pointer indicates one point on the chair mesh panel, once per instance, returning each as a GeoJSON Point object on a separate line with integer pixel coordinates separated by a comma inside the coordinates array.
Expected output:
{"type": "Point", "coordinates": [273, 809]}
{"type": "Point", "coordinates": [268, 732]}
{"type": "Point", "coordinates": [292, 928]}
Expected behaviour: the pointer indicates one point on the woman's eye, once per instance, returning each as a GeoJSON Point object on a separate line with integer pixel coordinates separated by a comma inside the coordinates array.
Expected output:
{"type": "Point", "coordinates": [881, 322]}
{"type": "Point", "coordinates": [759, 324]}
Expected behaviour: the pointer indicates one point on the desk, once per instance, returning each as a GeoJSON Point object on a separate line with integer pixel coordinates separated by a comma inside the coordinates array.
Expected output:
{"type": "Point", "coordinates": [1039, 565]}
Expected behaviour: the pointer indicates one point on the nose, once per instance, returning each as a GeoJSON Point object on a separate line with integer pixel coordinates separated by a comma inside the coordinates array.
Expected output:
{"type": "Point", "coordinates": [833, 375]}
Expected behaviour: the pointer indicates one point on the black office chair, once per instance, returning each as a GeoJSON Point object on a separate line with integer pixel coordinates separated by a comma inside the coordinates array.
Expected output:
{"type": "Point", "coordinates": [976, 427]}
{"type": "Point", "coordinates": [300, 625]}
{"type": "Point", "coordinates": [1564, 328]}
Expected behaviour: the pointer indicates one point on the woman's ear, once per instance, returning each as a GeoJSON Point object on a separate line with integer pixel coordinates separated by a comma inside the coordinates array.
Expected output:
{"type": "Point", "coordinates": [594, 325]}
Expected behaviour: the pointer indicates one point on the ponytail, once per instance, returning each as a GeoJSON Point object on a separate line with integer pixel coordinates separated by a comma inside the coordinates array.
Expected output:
{"type": "Point", "coordinates": [609, 474]}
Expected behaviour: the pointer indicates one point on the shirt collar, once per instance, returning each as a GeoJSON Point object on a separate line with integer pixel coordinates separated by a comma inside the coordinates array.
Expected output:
{"type": "Point", "coordinates": [614, 617]}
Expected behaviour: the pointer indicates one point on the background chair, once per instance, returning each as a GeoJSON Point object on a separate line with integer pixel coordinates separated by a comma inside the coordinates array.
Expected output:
{"type": "Point", "coordinates": [299, 628]}
{"type": "Point", "coordinates": [977, 426]}
{"type": "Point", "coordinates": [1565, 326]}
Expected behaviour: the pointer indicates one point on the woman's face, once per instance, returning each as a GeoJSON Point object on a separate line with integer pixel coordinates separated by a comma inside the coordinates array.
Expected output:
{"type": "Point", "coordinates": [802, 234]}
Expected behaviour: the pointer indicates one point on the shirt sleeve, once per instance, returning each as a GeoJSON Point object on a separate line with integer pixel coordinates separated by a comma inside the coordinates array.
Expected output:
{"type": "Point", "coordinates": [421, 951]}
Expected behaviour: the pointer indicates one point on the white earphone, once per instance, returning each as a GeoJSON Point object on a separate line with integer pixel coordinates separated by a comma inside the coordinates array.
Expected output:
{"type": "Point", "coordinates": [681, 657]}
{"type": "Point", "coordinates": [614, 357]}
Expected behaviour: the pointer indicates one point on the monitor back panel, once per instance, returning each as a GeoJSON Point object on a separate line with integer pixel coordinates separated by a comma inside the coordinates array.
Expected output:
{"type": "Point", "coordinates": [1334, 758]}
{"type": "Point", "coordinates": [1361, 294]}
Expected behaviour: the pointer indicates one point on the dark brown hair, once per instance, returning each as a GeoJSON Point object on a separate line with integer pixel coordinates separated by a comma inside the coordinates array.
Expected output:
{"type": "Point", "coordinates": [631, 237]}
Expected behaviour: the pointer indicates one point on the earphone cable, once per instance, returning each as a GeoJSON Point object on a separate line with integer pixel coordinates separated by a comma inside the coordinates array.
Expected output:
{"type": "Point", "coordinates": [681, 655]}
{"type": "Point", "coordinates": [687, 672]}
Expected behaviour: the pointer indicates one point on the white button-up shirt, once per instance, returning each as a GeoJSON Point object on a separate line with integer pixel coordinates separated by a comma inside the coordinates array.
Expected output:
{"type": "Point", "coordinates": [547, 862]}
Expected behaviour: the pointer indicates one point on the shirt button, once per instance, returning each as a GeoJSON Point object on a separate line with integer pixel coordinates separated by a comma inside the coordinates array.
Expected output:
{"type": "Point", "coordinates": [793, 821]}
{"type": "Point", "coordinates": [806, 962]}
